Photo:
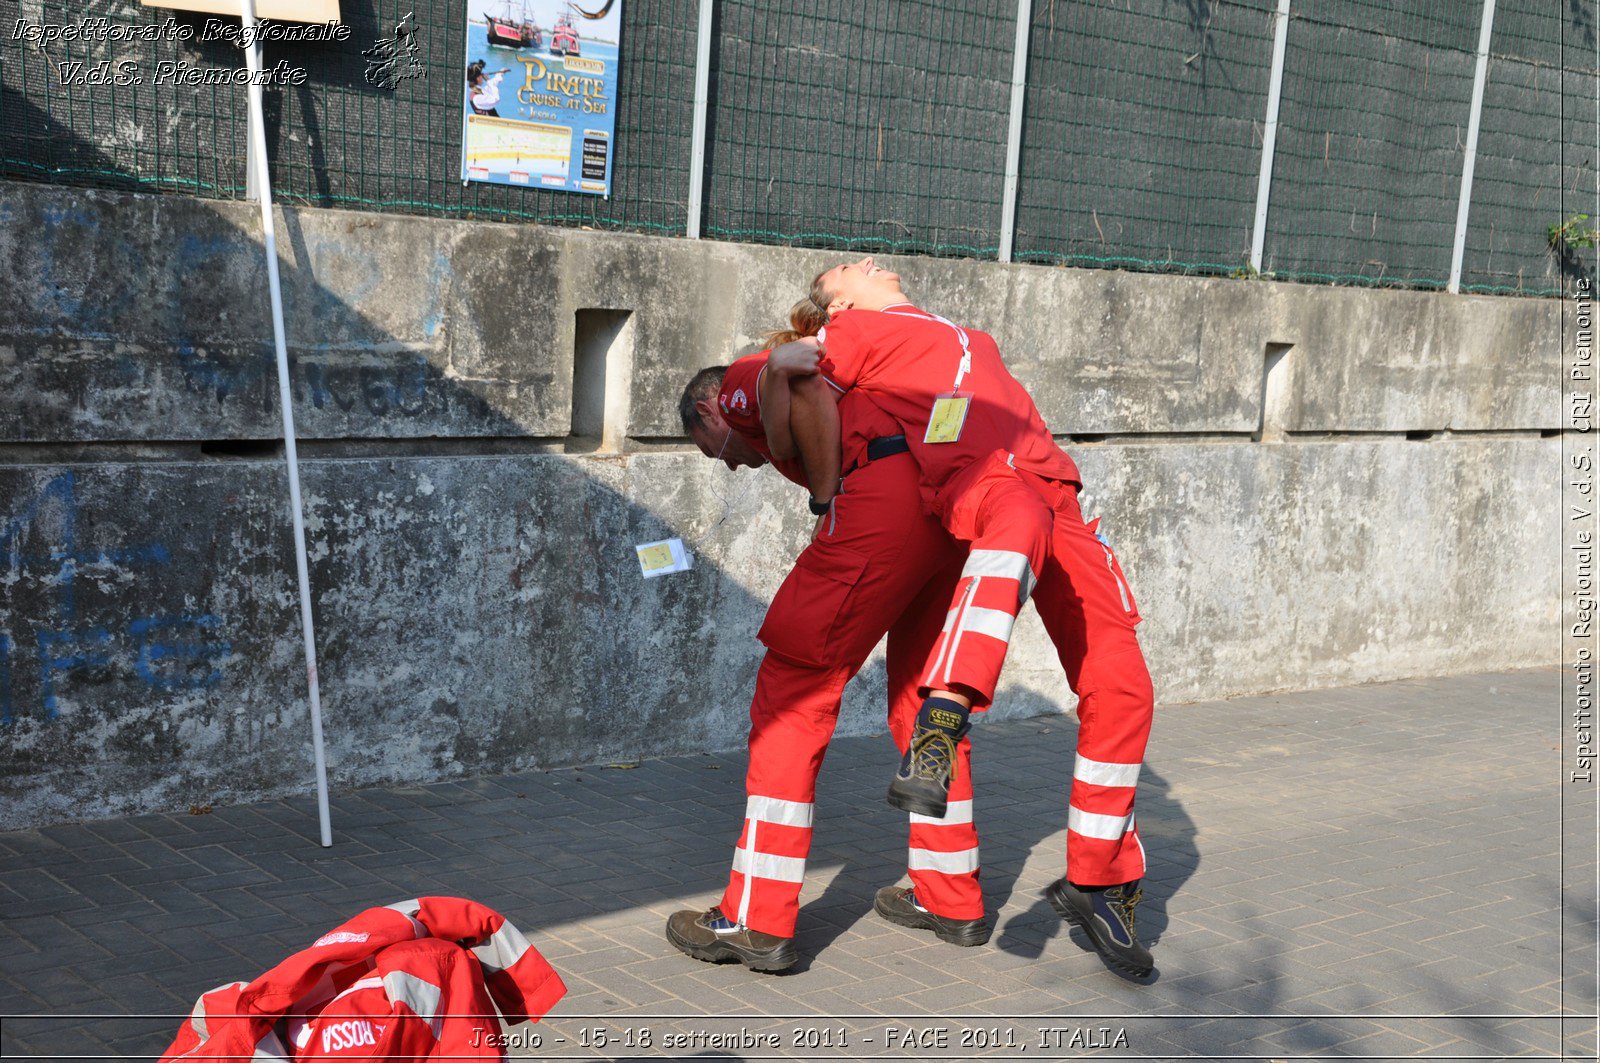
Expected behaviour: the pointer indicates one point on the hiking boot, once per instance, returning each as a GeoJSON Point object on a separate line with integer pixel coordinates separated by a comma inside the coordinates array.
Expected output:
{"type": "Point", "coordinates": [922, 785]}
{"type": "Point", "coordinates": [899, 905]}
{"type": "Point", "coordinates": [713, 937]}
{"type": "Point", "coordinates": [1106, 915]}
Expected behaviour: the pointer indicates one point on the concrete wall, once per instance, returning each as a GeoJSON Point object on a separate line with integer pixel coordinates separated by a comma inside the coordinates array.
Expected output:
{"type": "Point", "coordinates": [479, 607]}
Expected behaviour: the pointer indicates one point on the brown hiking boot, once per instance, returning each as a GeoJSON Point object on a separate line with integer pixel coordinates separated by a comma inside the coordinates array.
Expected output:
{"type": "Point", "coordinates": [898, 904]}
{"type": "Point", "coordinates": [713, 937]}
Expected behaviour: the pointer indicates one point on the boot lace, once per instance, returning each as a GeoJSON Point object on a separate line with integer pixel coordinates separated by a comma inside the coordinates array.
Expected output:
{"type": "Point", "coordinates": [1124, 906]}
{"type": "Point", "coordinates": [933, 751]}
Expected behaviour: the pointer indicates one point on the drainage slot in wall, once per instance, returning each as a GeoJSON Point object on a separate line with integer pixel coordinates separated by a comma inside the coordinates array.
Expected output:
{"type": "Point", "coordinates": [1420, 434]}
{"type": "Point", "coordinates": [242, 448]}
{"type": "Point", "coordinates": [1274, 394]}
{"type": "Point", "coordinates": [602, 376]}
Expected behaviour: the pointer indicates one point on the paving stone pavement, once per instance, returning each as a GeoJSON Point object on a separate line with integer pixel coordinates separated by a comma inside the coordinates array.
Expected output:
{"type": "Point", "coordinates": [1370, 872]}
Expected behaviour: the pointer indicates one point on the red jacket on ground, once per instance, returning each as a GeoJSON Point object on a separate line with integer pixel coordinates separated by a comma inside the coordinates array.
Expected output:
{"type": "Point", "coordinates": [416, 980]}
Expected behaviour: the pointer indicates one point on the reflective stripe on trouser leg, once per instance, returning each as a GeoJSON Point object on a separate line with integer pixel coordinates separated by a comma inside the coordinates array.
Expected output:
{"type": "Point", "coordinates": [1010, 530]}
{"type": "Point", "coordinates": [789, 732]}
{"type": "Point", "coordinates": [777, 837]}
{"type": "Point", "coordinates": [769, 866]}
{"type": "Point", "coordinates": [972, 648]}
{"type": "Point", "coordinates": [1084, 604]}
{"type": "Point", "coordinates": [943, 856]}
{"type": "Point", "coordinates": [1103, 846]}
{"type": "Point", "coordinates": [956, 896]}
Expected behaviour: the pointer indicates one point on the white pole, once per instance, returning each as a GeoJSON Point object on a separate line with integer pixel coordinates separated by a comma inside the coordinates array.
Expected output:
{"type": "Point", "coordinates": [1269, 139]}
{"type": "Point", "coordinates": [263, 184]}
{"type": "Point", "coordinates": [251, 192]}
{"type": "Point", "coordinates": [1479, 79]}
{"type": "Point", "coordinates": [702, 99]}
{"type": "Point", "coordinates": [1019, 86]}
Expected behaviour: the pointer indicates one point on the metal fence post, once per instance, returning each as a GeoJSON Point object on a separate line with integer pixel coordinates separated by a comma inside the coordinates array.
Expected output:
{"type": "Point", "coordinates": [1019, 87]}
{"type": "Point", "coordinates": [1479, 79]}
{"type": "Point", "coordinates": [702, 95]}
{"type": "Point", "coordinates": [1269, 138]}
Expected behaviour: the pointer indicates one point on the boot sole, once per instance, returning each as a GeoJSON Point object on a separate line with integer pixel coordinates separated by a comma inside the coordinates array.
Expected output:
{"type": "Point", "coordinates": [1104, 948]}
{"type": "Point", "coordinates": [724, 952]}
{"type": "Point", "coordinates": [921, 804]}
{"type": "Point", "coordinates": [966, 938]}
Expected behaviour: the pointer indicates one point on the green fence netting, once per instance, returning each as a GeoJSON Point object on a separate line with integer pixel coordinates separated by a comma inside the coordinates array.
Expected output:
{"type": "Point", "coordinates": [338, 140]}
{"type": "Point", "coordinates": [1535, 165]}
{"type": "Point", "coordinates": [884, 127]}
{"type": "Point", "coordinates": [1371, 137]}
{"type": "Point", "coordinates": [1142, 133]}
{"type": "Point", "coordinates": [861, 126]}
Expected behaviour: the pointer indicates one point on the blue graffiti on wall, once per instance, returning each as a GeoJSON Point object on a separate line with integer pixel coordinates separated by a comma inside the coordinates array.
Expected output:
{"type": "Point", "coordinates": [166, 651]}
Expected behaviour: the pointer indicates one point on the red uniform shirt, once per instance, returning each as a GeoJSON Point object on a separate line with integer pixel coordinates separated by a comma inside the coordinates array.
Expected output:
{"type": "Point", "coordinates": [860, 421]}
{"type": "Point", "coordinates": [904, 359]}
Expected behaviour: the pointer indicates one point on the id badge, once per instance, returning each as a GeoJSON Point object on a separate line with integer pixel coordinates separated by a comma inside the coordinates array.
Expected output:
{"type": "Point", "coordinates": [948, 416]}
{"type": "Point", "coordinates": [660, 558]}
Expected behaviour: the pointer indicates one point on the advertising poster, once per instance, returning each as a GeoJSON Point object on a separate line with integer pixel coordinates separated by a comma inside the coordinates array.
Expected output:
{"type": "Point", "coordinates": [539, 94]}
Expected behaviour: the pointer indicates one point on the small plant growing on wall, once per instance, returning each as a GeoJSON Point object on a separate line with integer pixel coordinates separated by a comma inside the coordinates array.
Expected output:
{"type": "Point", "coordinates": [1572, 234]}
{"type": "Point", "coordinates": [1567, 239]}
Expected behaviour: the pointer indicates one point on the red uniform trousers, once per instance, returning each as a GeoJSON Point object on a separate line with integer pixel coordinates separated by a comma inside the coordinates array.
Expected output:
{"type": "Point", "coordinates": [1023, 527]}
{"type": "Point", "coordinates": [879, 564]}
{"type": "Point", "coordinates": [1007, 525]}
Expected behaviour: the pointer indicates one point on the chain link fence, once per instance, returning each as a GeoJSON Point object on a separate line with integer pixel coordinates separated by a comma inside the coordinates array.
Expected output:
{"type": "Point", "coordinates": [337, 140]}
{"type": "Point", "coordinates": [885, 127]}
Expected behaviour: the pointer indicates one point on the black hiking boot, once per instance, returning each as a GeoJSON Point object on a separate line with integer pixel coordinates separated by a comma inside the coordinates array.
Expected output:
{"type": "Point", "coordinates": [1106, 915]}
{"type": "Point", "coordinates": [922, 784]}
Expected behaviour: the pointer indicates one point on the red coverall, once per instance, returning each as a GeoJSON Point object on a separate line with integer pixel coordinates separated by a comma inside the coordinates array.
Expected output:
{"type": "Point", "coordinates": [879, 563]}
{"type": "Point", "coordinates": [416, 980]}
{"type": "Point", "coordinates": [1004, 487]}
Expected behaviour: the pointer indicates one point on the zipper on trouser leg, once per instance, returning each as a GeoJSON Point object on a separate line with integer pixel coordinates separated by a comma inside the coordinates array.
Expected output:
{"type": "Point", "coordinates": [749, 876]}
{"type": "Point", "coordinates": [955, 647]}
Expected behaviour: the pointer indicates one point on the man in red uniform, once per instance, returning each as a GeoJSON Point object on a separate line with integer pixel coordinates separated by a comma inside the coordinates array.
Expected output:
{"type": "Point", "coordinates": [994, 476]}
{"type": "Point", "coordinates": [876, 564]}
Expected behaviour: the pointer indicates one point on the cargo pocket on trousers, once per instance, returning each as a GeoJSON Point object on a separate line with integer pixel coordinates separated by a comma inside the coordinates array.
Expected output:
{"type": "Point", "coordinates": [803, 620]}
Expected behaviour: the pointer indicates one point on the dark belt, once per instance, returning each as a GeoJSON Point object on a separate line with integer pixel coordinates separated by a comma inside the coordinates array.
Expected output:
{"type": "Point", "coordinates": [887, 447]}
{"type": "Point", "coordinates": [882, 447]}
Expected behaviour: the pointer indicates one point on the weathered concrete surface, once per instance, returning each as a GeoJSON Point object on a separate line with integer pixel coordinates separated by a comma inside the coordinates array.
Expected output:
{"type": "Point", "coordinates": [407, 327]}
{"type": "Point", "coordinates": [487, 614]}
{"type": "Point", "coordinates": [1397, 361]}
{"type": "Point", "coordinates": [481, 613]}
{"type": "Point", "coordinates": [1303, 565]}
{"type": "Point", "coordinates": [142, 317]}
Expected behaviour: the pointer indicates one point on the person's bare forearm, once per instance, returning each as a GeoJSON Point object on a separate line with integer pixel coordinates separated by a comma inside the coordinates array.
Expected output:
{"type": "Point", "coordinates": [776, 412]}
{"type": "Point", "coordinates": [800, 414]}
{"type": "Point", "coordinates": [786, 363]}
{"type": "Point", "coordinates": [814, 426]}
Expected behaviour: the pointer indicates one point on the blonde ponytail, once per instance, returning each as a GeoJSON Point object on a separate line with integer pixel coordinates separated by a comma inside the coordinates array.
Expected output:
{"type": "Point", "coordinates": [806, 318]}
